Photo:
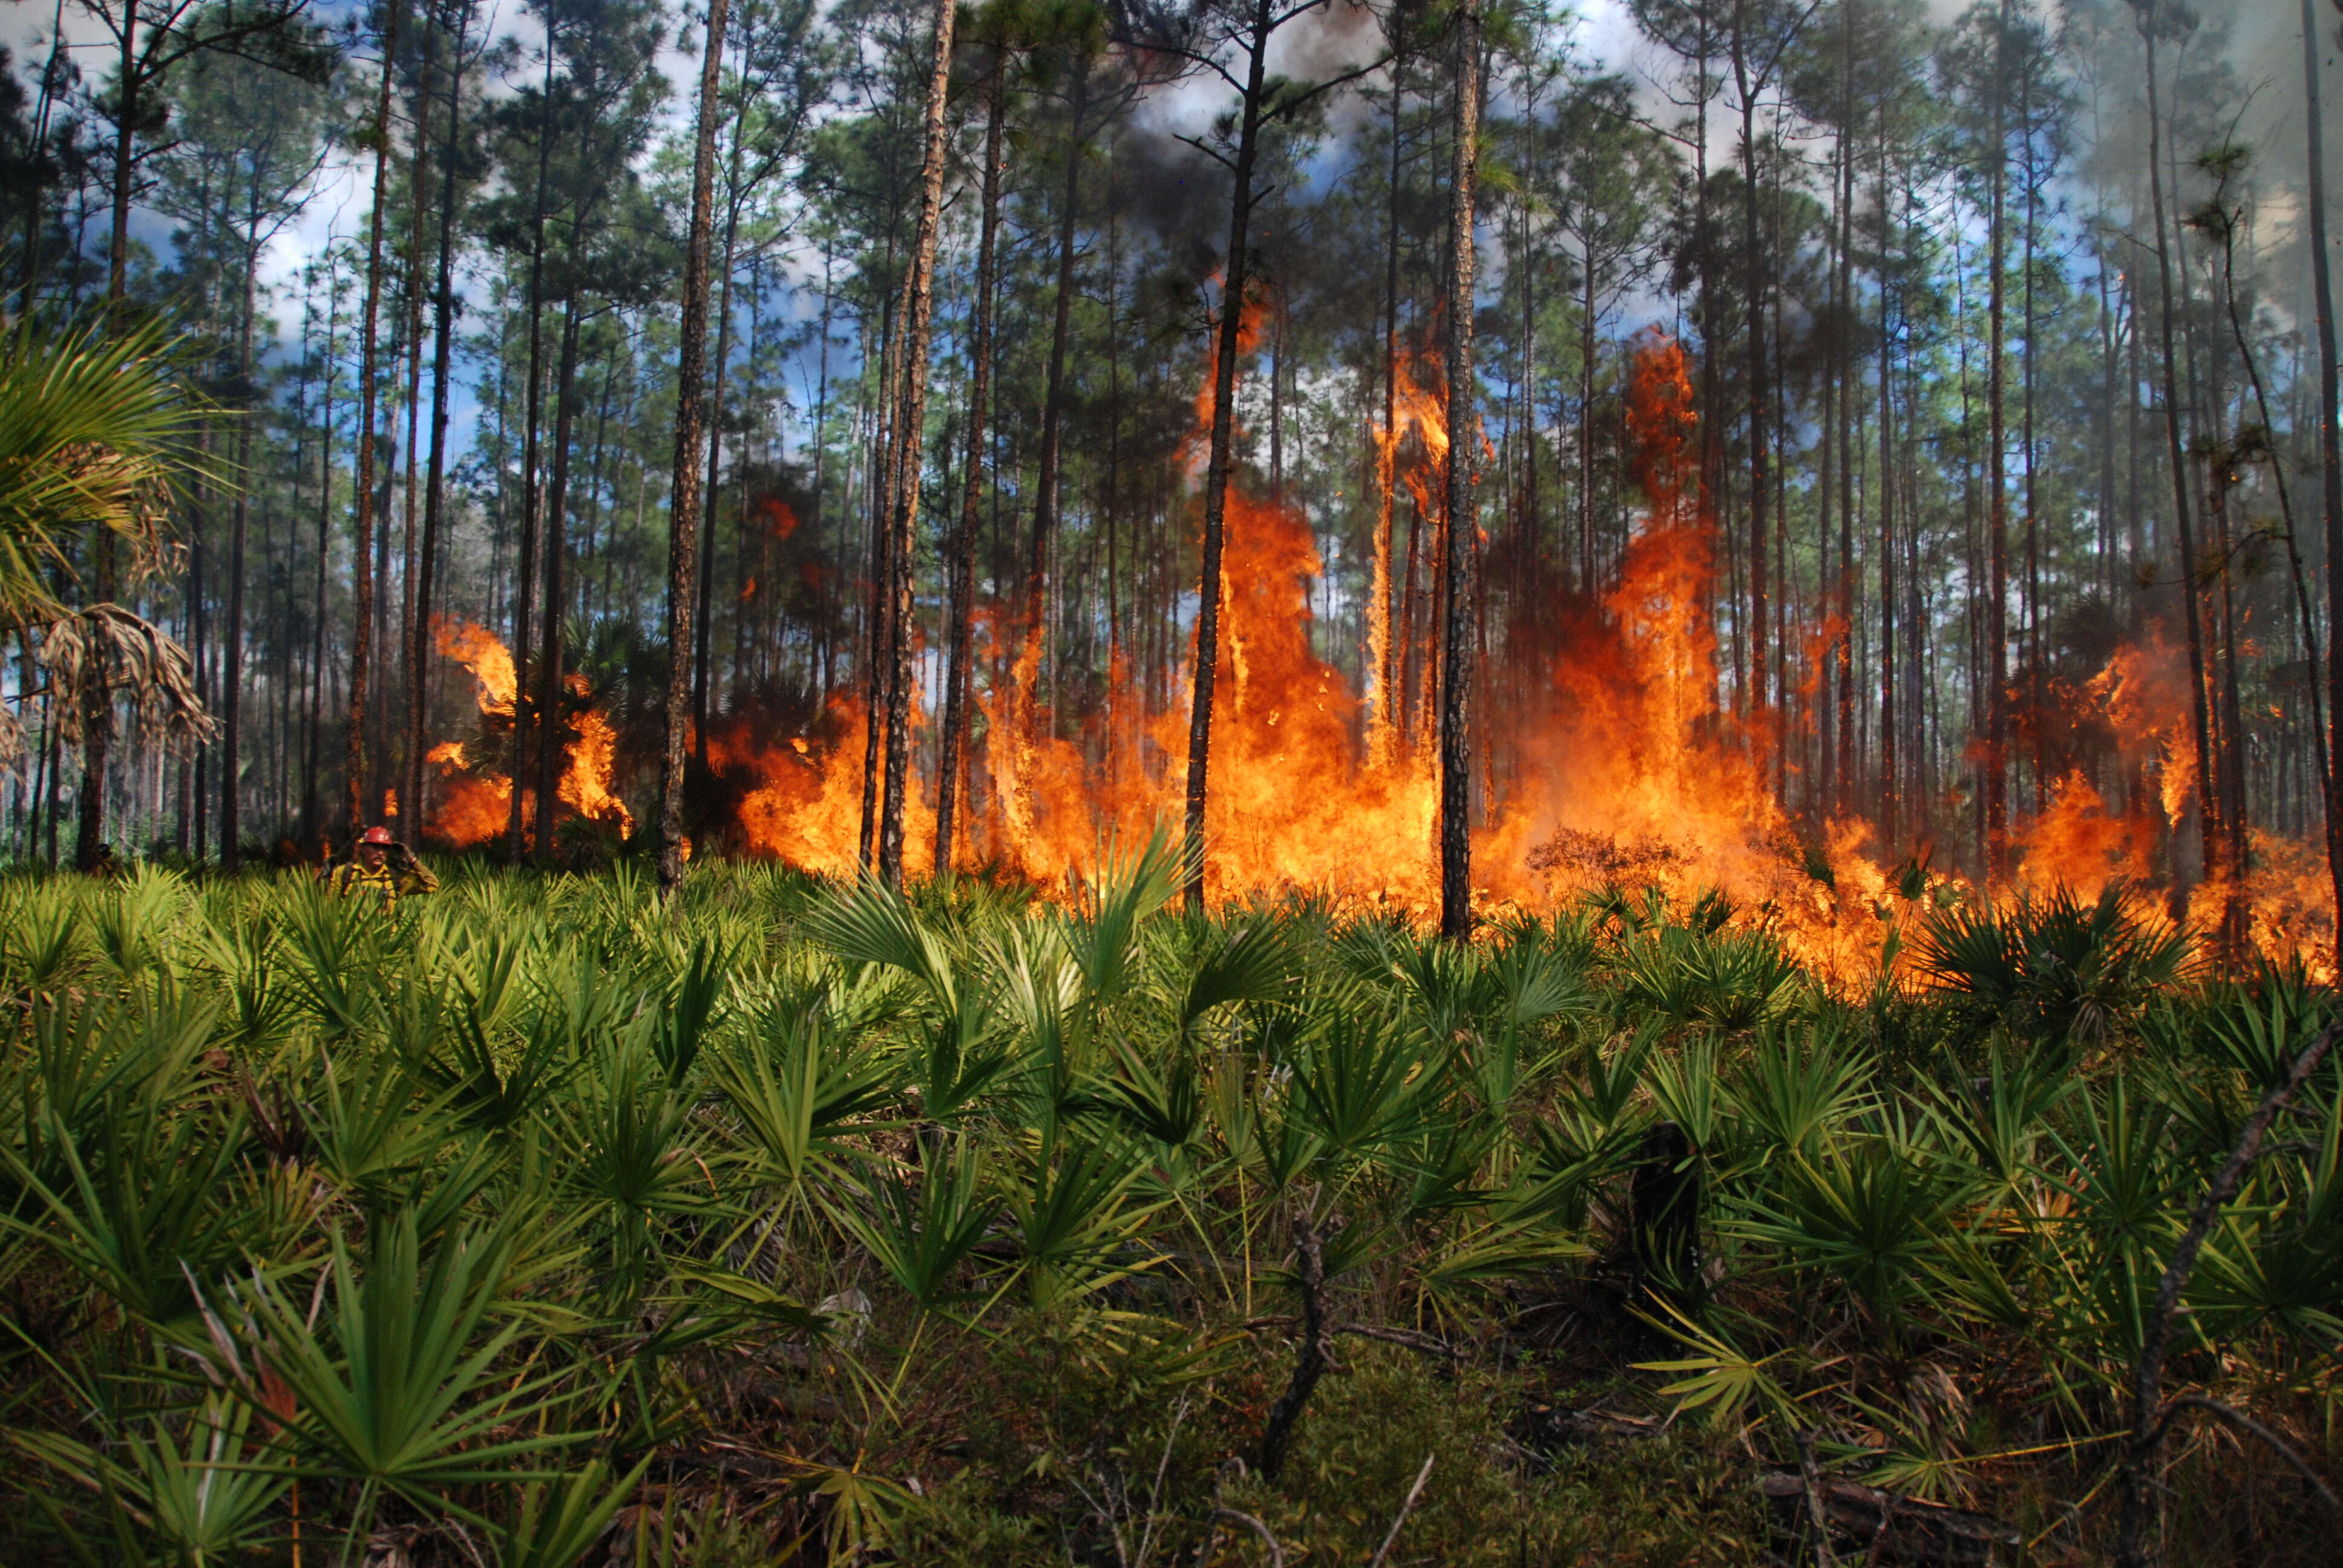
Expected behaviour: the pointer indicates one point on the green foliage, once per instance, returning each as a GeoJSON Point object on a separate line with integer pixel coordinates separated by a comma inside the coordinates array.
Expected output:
{"type": "Point", "coordinates": [978, 1216]}
{"type": "Point", "coordinates": [2050, 967]}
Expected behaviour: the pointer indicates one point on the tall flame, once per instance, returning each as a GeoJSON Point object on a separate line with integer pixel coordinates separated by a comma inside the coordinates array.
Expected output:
{"type": "Point", "coordinates": [1625, 769]}
{"type": "Point", "coordinates": [476, 802]}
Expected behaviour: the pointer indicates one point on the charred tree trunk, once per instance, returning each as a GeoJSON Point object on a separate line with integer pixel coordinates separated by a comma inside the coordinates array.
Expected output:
{"type": "Point", "coordinates": [2330, 447]}
{"type": "Point", "coordinates": [549, 725]}
{"type": "Point", "coordinates": [532, 488]}
{"type": "Point", "coordinates": [97, 707]}
{"type": "Point", "coordinates": [1380, 598]}
{"type": "Point", "coordinates": [2175, 449]}
{"type": "Point", "coordinates": [434, 485]}
{"type": "Point", "coordinates": [1890, 829]}
{"type": "Point", "coordinates": [958, 635]}
{"type": "Point", "coordinates": [683, 515]}
{"type": "Point", "coordinates": [232, 631]}
{"type": "Point", "coordinates": [1234, 278]}
{"type": "Point", "coordinates": [1048, 479]}
{"type": "Point", "coordinates": [362, 578]}
{"type": "Point", "coordinates": [903, 512]}
{"type": "Point", "coordinates": [733, 199]}
{"type": "Point", "coordinates": [879, 625]}
{"type": "Point", "coordinates": [1996, 491]}
{"type": "Point", "coordinates": [313, 757]}
{"type": "Point", "coordinates": [1460, 598]}
{"type": "Point", "coordinates": [411, 629]}
{"type": "Point", "coordinates": [1761, 418]}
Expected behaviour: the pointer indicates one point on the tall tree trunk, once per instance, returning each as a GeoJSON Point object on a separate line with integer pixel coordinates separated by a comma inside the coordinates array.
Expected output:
{"type": "Point", "coordinates": [532, 483]}
{"type": "Point", "coordinates": [1528, 559]}
{"type": "Point", "coordinates": [1048, 479]}
{"type": "Point", "coordinates": [903, 512]}
{"type": "Point", "coordinates": [1996, 492]}
{"type": "Point", "coordinates": [1380, 595]}
{"type": "Point", "coordinates": [1586, 531]}
{"type": "Point", "coordinates": [355, 765]}
{"type": "Point", "coordinates": [2030, 493]}
{"type": "Point", "coordinates": [549, 725]}
{"type": "Point", "coordinates": [97, 708]}
{"type": "Point", "coordinates": [879, 625]}
{"type": "Point", "coordinates": [412, 632]}
{"type": "Point", "coordinates": [2175, 449]}
{"type": "Point", "coordinates": [1833, 376]}
{"type": "Point", "coordinates": [314, 759]}
{"type": "Point", "coordinates": [443, 327]}
{"type": "Point", "coordinates": [733, 199]}
{"type": "Point", "coordinates": [127, 82]}
{"type": "Point", "coordinates": [232, 632]}
{"type": "Point", "coordinates": [958, 635]}
{"type": "Point", "coordinates": [1890, 829]}
{"type": "Point", "coordinates": [683, 515]}
{"type": "Point", "coordinates": [2330, 447]}
{"type": "Point", "coordinates": [1761, 416]}
{"type": "Point", "coordinates": [1460, 599]}
{"type": "Point", "coordinates": [1850, 420]}
{"type": "Point", "coordinates": [1235, 275]}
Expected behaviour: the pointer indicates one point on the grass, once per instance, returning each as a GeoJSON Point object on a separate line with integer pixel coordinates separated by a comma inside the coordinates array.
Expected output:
{"type": "Point", "coordinates": [538, 1225]}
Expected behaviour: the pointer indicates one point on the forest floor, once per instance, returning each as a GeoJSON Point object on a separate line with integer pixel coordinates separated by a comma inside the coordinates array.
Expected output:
{"type": "Point", "coordinates": [531, 1222]}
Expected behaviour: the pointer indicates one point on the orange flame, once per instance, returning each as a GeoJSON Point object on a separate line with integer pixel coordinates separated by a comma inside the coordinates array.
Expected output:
{"type": "Point", "coordinates": [475, 803]}
{"type": "Point", "coordinates": [1625, 769]}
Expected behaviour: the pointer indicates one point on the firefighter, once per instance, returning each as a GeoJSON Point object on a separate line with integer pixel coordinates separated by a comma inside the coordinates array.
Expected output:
{"type": "Point", "coordinates": [385, 869]}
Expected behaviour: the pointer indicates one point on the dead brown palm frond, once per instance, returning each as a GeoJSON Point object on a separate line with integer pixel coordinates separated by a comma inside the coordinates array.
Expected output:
{"type": "Point", "coordinates": [133, 659]}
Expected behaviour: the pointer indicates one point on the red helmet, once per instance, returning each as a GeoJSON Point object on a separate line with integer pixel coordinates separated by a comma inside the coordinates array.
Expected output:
{"type": "Point", "coordinates": [377, 836]}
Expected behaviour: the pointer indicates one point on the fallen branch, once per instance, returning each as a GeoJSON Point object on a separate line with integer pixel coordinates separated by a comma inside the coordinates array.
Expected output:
{"type": "Point", "coordinates": [1895, 1527]}
{"type": "Point", "coordinates": [2246, 1423]}
{"type": "Point", "coordinates": [1430, 1344]}
{"type": "Point", "coordinates": [1238, 1516]}
{"type": "Point", "coordinates": [2146, 1411]}
{"type": "Point", "coordinates": [1413, 1493]}
{"type": "Point", "coordinates": [1810, 1479]}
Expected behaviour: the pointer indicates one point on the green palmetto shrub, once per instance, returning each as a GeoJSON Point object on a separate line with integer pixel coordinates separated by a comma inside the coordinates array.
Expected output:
{"type": "Point", "coordinates": [539, 1223]}
{"type": "Point", "coordinates": [1866, 1210]}
{"type": "Point", "coordinates": [1722, 978]}
{"type": "Point", "coordinates": [2052, 968]}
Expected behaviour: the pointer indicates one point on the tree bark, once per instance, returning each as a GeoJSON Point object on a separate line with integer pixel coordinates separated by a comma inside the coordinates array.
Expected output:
{"type": "Point", "coordinates": [232, 631]}
{"type": "Point", "coordinates": [1997, 498]}
{"type": "Point", "coordinates": [2330, 445]}
{"type": "Point", "coordinates": [2199, 721]}
{"type": "Point", "coordinates": [434, 485]}
{"type": "Point", "coordinates": [362, 609]}
{"type": "Point", "coordinates": [314, 758]}
{"type": "Point", "coordinates": [1760, 391]}
{"type": "Point", "coordinates": [532, 490]}
{"type": "Point", "coordinates": [97, 711]}
{"type": "Point", "coordinates": [1235, 275]}
{"type": "Point", "coordinates": [960, 635]}
{"type": "Point", "coordinates": [683, 514]}
{"type": "Point", "coordinates": [733, 199]}
{"type": "Point", "coordinates": [1379, 606]}
{"type": "Point", "coordinates": [1459, 596]}
{"type": "Point", "coordinates": [1890, 829]}
{"type": "Point", "coordinates": [1047, 479]}
{"type": "Point", "coordinates": [903, 513]}
{"type": "Point", "coordinates": [411, 631]}
{"type": "Point", "coordinates": [550, 656]}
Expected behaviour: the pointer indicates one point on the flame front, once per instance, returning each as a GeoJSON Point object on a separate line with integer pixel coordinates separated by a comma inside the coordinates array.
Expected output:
{"type": "Point", "coordinates": [1623, 769]}
{"type": "Point", "coordinates": [476, 801]}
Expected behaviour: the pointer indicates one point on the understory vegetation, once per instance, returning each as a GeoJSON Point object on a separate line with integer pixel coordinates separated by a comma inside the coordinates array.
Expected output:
{"type": "Point", "coordinates": [536, 1224]}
